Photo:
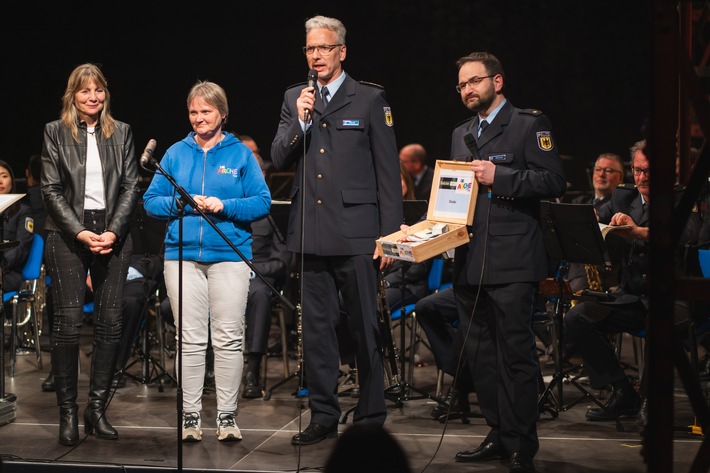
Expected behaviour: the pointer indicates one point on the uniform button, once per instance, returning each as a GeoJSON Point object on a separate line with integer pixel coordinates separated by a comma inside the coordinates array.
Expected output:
{"type": "Point", "coordinates": [324, 125]}
{"type": "Point", "coordinates": [322, 151]}
{"type": "Point", "coordinates": [319, 176]}
{"type": "Point", "coordinates": [319, 201]}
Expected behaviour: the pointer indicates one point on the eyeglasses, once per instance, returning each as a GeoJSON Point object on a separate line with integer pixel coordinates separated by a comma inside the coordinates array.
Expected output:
{"type": "Point", "coordinates": [324, 49]}
{"type": "Point", "coordinates": [638, 171]}
{"type": "Point", "coordinates": [599, 170]}
{"type": "Point", "coordinates": [475, 80]}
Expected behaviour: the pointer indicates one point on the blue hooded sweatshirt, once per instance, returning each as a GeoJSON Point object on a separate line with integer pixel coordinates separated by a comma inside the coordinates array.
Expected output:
{"type": "Point", "coordinates": [228, 171]}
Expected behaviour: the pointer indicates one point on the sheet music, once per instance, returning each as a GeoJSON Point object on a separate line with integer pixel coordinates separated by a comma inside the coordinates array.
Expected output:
{"type": "Point", "coordinates": [6, 200]}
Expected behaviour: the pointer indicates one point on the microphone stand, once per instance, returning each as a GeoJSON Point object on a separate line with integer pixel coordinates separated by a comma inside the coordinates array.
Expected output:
{"type": "Point", "coordinates": [186, 198]}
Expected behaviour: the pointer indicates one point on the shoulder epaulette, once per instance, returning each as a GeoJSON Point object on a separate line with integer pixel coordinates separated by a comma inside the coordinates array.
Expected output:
{"type": "Point", "coordinates": [371, 84]}
{"type": "Point", "coordinates": [531, 111]}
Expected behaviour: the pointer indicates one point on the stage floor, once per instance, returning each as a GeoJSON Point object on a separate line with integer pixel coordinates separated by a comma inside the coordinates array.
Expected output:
{"type": "Point", "coordinates": [146, 418]}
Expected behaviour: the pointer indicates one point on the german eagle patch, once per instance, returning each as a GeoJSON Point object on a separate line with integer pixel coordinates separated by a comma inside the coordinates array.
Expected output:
{"type": "Point", "coordinates": [30, 224]}
{"type": "Point", "coordinates": [544, 140]}
{"type": "Point", "coordinates": [388, 116]}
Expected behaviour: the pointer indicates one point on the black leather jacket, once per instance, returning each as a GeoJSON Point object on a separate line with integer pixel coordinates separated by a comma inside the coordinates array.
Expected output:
{"type": "Point", "coordinates": [64, 173]}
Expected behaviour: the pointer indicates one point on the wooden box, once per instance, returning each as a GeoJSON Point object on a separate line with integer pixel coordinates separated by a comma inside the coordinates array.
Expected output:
{"type": "Point", "coordinates": [452, 203]}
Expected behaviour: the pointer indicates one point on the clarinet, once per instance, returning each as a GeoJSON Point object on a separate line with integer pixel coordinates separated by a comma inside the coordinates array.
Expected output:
{"type": "Point", "coordinates": [389, 349]}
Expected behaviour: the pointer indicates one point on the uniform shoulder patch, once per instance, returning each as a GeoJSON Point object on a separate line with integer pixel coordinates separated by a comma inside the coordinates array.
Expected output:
{"type": "Point", "coordinates": [389, 121]}
{"type": "Point", "coordinates": [371, 84]}
{"type": "Point", "coordinates": [531, 111]}
{"type": "Point", "coordinates": [544, 140]}
{"type": "Point", "coordinates": [30, 224]}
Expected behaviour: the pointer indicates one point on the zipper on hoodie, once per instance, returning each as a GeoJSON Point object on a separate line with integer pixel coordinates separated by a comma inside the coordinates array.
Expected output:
{"type": "Point", "coordinates": [202, 191]}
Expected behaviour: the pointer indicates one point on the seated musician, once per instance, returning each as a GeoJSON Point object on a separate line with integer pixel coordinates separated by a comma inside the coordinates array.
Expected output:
{"type": "Point", "coordinates": [588, 323]}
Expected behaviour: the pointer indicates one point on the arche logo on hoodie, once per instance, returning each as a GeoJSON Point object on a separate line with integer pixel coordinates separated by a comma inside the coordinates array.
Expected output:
{"type": "Point", "coordinates": [225, 170]}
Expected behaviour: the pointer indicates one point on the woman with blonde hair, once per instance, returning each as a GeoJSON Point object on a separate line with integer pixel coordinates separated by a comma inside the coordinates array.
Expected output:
{"type": "Point", "coordinates": [89, 186]}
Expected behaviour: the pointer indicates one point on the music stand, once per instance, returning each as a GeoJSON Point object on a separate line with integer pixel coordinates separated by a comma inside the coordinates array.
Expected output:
{"type": "Point", "coordinates": [572, 235]}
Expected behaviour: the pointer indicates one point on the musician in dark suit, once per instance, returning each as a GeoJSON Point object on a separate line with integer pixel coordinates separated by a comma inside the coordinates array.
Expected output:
{"type": "Point", "coordinates": [588, 323]}
{"type": "Point", "coordinates": [516, 163]}
{"type": "Point", "coordinates": [352, 196]}
{"type": "Point", "coordinates": [607, 173]}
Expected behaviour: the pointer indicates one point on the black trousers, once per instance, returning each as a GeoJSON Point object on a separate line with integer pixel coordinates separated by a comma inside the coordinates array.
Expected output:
{"type": "Point", "coordinates": [68, 262]}
{"type": "Point", "coordinates": [500, 348]}
{"type": "Point", "coordinates": [355, 279]}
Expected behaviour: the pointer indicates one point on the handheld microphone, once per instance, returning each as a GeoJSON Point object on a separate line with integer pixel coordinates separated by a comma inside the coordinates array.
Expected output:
{"type": "Point", "coordinates": [148, 153]}
{"type": "Point", "coordinates": [312, 79]}
{"type": "Point", "coordinates": [471, 144]}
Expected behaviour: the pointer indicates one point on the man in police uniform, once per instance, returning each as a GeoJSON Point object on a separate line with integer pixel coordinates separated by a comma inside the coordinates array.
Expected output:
{"type": "Point", "coordinates": [352, 196]}
{"type": "Point", "coordinates": [516, 163]}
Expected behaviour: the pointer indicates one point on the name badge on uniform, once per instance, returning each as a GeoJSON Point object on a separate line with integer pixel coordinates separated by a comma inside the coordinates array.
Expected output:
{"type": "Point", "coordinates": [350, 124]}
{"type": "Point", "coordinates": [500, 158]}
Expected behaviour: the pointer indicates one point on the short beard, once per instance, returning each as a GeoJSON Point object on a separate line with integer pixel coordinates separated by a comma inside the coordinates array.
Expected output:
{"type": "Point", "coordinates": [482, 104]}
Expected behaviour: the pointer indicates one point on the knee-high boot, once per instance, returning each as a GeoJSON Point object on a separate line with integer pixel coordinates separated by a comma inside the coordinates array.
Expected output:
{"type": "Point", "coordinates": [103, 365]}
{"type": "Point", "coordinates": [65, 366]}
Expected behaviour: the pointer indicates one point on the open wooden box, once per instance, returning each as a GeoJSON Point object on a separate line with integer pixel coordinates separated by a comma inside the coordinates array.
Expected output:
{"type": "Point", "coordinates": [452, 202]}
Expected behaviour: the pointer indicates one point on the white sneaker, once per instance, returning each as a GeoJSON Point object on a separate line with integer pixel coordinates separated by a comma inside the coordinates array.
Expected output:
{"type": "Point", "coordinates": [227, 429]}
{"type": "Point", "coordinates": [191, 431]}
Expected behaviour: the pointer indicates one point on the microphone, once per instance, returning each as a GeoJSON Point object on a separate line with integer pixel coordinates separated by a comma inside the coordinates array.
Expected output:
{"type": "Point", "coordinates": [471, 144]}
{"type": "Point", "coordinates": [148, 153]}
{"type": "Point", "coordinates": [312, 79]}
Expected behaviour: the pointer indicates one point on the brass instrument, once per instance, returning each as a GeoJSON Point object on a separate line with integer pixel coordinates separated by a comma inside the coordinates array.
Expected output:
{"type": "Point", "coordinates": [594, 281]}
{"type": "Point", "coordinates": [389, 350]}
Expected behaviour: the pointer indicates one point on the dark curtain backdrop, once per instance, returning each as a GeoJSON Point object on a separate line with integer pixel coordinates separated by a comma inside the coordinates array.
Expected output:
{"type": "Point", "coordinates": [584, 64]}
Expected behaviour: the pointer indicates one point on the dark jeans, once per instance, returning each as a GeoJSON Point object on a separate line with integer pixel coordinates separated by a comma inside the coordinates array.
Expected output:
{"type": "Point", "coordinates": [68, 262]}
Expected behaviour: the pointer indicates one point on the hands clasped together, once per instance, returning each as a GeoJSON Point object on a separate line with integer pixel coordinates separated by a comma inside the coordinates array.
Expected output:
{"type": "Point", "coordinates": [208, 204]}
{"type": "Point", "coordinates": [97, 244]}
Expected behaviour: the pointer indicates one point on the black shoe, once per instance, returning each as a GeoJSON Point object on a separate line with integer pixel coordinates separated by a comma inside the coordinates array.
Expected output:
{"type": "Point", "coordinates": [314, 433]}
{"type": "Point", "coordinates": [252, 388]}
{"type": "Point", "coordinates": [456, 407]}
{"type": "Point", "coordinates": [485, 452]}
{"type": "Point", "coordinates": [521, 463]}
{"type": "Point", "coordinates": [622, 403]}
{"type": "Point", "coordinates": [48, 383]}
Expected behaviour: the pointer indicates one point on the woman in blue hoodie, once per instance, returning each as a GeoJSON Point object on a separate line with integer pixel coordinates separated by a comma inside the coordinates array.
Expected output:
{"type": "Point", "coordinates": [222, 176]}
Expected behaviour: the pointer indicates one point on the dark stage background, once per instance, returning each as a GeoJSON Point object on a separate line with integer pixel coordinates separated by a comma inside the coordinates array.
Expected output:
{"type": "Point", "coordinates": [584, 64]}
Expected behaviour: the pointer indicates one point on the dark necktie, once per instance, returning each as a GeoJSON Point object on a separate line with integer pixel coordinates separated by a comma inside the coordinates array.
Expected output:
{"type": "Point", "coordinates": [325, 95]}
{"type": "Point", "coordinates": [482, 126]}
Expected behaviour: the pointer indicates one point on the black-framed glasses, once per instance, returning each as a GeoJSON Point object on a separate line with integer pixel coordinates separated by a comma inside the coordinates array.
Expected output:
{"type": "Point", "coordinates": [638, 171]}
{"type": "Point", "coordinates": [599, 170]}
{"type": "Point", "coordinates": [324, 49]}
{"type": "Point", "coordinates": [475, 80]}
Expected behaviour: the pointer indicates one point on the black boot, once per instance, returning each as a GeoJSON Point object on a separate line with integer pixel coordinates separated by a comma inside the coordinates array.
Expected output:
{"type": "Point", "coordinates": [65, 366]}
{"type": "Point", "coordinates": [103, 363]}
